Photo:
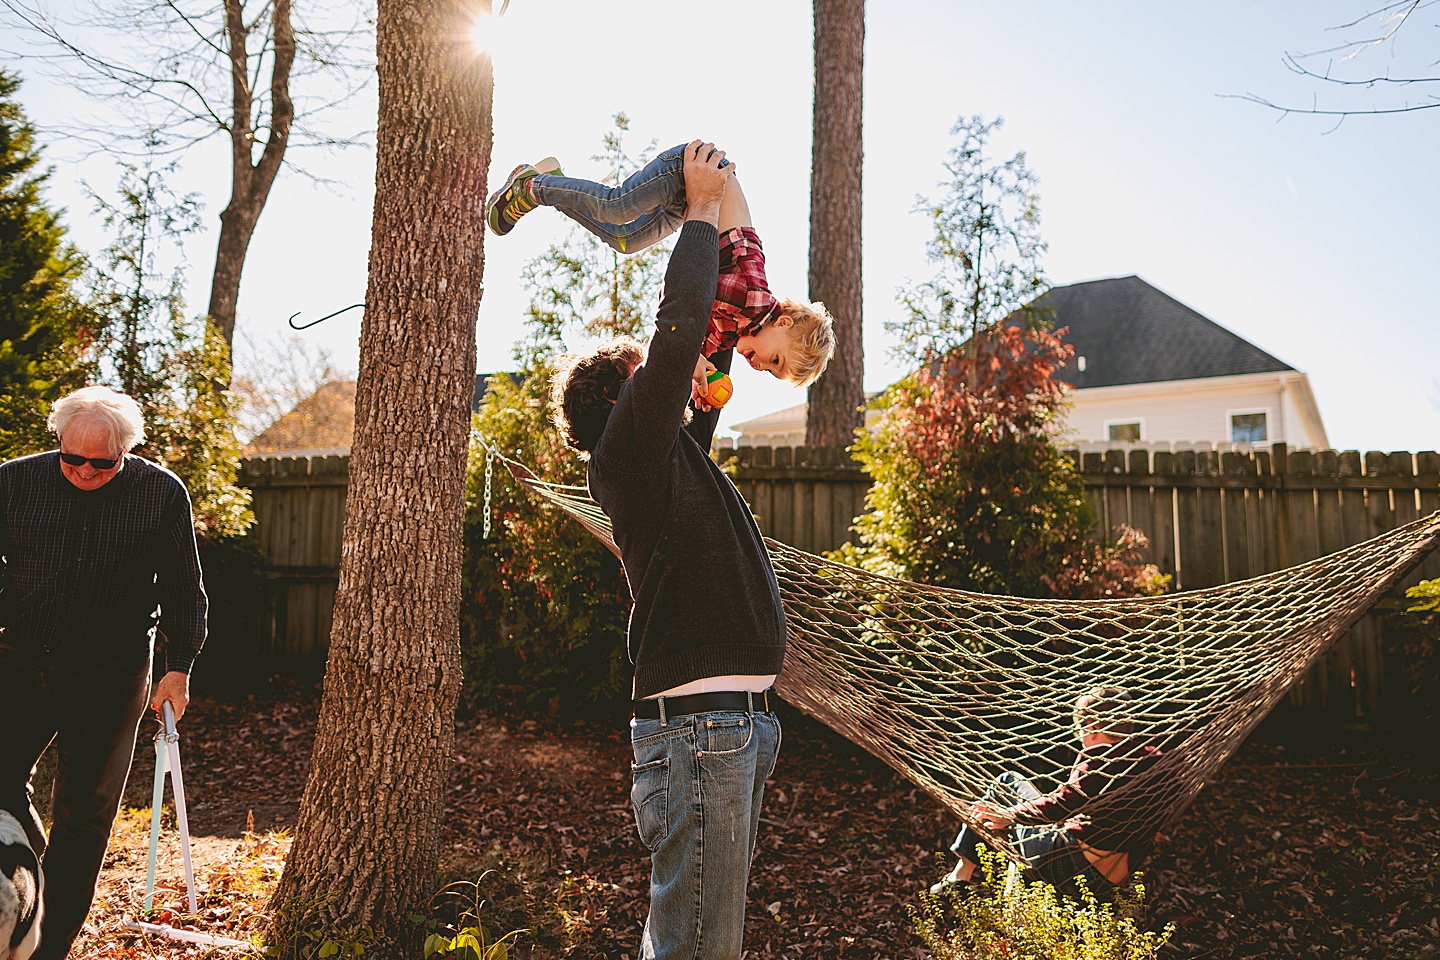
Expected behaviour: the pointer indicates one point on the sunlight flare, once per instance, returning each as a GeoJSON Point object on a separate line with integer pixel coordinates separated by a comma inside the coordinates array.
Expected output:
{"type": "Point", "coordinates": [484, 31]}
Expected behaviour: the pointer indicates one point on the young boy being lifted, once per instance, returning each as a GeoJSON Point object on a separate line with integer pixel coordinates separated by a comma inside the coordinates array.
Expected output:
{"type": "Point", "coordinates": [790, 339]}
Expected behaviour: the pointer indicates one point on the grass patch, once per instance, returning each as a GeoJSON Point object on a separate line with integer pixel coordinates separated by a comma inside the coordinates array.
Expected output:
{"type": "Point", "coordinates": [233, 882]}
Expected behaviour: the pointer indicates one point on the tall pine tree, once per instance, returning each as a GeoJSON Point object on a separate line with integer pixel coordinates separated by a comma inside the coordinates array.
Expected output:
{"type": "Point", "coordinates": [43, 324]}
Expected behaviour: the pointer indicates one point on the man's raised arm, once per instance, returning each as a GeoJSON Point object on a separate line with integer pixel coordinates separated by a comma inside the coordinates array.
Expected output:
{"type": "Point", "coordinates": [659, 392]}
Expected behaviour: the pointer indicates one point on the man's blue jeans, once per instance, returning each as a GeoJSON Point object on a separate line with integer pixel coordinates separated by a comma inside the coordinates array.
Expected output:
{"type": "Point", "coordinates": [646, 208]}
{"type": "Point", "coordinates": [698, 783]}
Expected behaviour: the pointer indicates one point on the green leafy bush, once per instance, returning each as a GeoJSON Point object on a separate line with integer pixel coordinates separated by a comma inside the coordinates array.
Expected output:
{"type": "Point", "coordinates": [970, 488]}
{"type": "Point", "coordinates": [176, 368]}
{"type": "Point", "coordinates": [545, 605]}
{"type": "Point", "coordinates": [1032, 921]}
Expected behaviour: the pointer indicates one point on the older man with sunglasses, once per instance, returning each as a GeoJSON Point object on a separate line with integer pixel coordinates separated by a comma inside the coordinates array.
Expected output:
{"type": "Point", "coordinates": [99, 550]}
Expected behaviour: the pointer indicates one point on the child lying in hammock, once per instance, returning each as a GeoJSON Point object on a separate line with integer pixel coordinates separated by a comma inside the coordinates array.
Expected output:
{"type": "Point", "coordinates": [1055, 846]}
{"type": "Point", "coordinates": [789, 339]}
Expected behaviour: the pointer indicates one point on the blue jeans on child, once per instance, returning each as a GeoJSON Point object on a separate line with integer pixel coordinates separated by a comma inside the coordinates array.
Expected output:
{"type": "Point", "coordinates": [1051, 854]}
{"type": "Point", "coordinates": [698, 783]}
{"type": "Point", "coordinates": [646, 208]}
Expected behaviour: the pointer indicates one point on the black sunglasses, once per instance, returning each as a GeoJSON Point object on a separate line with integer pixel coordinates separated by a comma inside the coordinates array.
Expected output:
{"type": "Point", "coordinates": [99, 463]}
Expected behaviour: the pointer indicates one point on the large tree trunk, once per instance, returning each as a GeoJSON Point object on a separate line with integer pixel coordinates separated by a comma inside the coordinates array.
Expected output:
{"type": "Point", "coordinates": [366, 847]}
{"type": "Point", "coordinates": [836, 156]}
{"type": "Point", "coordinates": [250, 179]}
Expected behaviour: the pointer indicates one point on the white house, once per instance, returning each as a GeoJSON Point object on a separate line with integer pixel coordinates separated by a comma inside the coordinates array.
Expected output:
{"type": "Point", "coordinates": [1147, 369]}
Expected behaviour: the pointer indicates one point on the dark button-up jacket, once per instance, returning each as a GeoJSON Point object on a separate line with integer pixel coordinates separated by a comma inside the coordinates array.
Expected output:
{"type": "Point", "coordinates": [90, 573]}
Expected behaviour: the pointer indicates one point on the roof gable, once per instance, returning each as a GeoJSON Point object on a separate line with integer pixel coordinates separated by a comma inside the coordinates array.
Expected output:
{"type": "Point", "coordinates": [325, 420]}
{"type": "Point", "coordinates": [1130, 332]}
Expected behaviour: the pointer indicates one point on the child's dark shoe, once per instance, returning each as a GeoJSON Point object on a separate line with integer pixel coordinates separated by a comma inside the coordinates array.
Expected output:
{"type": "Point", "coordinates": [513, 200]}
{"type": "Point", "coordinates": [952, 879]}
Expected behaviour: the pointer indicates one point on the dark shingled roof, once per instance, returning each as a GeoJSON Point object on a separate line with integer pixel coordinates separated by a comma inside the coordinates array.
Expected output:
{"type": "Point", "coordinates": [1130, 332]}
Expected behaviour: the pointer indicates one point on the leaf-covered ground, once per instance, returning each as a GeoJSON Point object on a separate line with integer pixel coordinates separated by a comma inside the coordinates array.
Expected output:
{"type": "Point", "coordinates": [1320, 848]}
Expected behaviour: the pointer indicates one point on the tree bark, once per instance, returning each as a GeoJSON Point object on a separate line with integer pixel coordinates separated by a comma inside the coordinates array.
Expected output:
{"type": "Point", "coordinates": [250, 179]}
{"type": "Point", "coordinates": [835, 399]}
{"type": "Point", "coordinates": [367, 843]}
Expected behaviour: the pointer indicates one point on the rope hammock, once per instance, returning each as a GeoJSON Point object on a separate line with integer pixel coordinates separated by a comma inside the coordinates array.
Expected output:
{"type": "Point", "coordinates": [952, 688]}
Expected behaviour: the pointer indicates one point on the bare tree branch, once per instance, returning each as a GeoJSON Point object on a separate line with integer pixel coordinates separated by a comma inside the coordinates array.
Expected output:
{"type": "Point", "coordinates": [1389, 19]}
{"type": "Point", "coordinates": [185, 70]}
{"type": "Point", "coordinates": [1361, 19]}
{"type": "Point", "coordinates": [1316, 111]}
{"type": "Point", "coordinates": [1398, 20]}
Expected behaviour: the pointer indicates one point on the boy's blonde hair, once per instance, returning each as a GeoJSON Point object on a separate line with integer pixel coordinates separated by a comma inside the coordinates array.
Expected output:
{"type": "Point", "coordinates": [812, 333]}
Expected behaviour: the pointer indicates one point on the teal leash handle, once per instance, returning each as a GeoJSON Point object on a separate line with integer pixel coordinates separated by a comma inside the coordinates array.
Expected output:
{"type": "Point", "coordinates": [160, 754]}
{"type": "Point", "coordinates": [167, 755]}
{"type": "Point", "coordinates": [177, 787]}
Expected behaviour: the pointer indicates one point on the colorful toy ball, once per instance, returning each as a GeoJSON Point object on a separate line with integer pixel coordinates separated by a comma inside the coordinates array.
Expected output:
{"type": "Point", "coordinates": [718, 389]}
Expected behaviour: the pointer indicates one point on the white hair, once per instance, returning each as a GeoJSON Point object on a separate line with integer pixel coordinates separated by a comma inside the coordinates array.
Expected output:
{"type": "Point", "coordinates": [111, 411]}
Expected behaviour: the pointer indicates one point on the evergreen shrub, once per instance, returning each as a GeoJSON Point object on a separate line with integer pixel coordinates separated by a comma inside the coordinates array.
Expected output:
{"type": "Point", "coordinates": [545, 605]}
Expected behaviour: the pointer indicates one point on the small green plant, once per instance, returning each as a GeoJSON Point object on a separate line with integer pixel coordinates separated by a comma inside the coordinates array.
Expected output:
{"type": "Point", "coordinates": [1412, 642]}
{"type": "Point", "coordinates": [1426, 595]}
{"type": "Point", "coordinates": [317, 940]}
{"type": "Point", "coordinates": [1033, 920]}
{"type": "Point", "coordinates": [467, 938]}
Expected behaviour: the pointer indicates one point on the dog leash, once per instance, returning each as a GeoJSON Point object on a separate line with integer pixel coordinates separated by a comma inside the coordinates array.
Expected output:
{"type": "Point", "coordinates": [167, 760]}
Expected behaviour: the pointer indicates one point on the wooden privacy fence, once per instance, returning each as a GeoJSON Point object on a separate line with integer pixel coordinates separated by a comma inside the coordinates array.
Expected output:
{"type": "Point", "coordinates": [299, 505]}
{"type": "Point", "coordinates": [1215, 518]}
{"type": "Point", "coordinates": [1211, 517]}
{"type": "Point", "coordinates": [807, 497]}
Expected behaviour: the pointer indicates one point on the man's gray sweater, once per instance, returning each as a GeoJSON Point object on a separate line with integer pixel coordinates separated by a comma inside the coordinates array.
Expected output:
{"type": "Point", "coordinates": [706, 602]}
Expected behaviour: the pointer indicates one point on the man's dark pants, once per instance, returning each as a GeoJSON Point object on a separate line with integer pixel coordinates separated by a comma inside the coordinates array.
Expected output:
{"type": "Point", "coordinates": [92, 711]}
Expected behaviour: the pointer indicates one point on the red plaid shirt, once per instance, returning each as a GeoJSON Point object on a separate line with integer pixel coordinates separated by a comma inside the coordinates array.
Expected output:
{"type": "Point", "coordinates": [743, 302]}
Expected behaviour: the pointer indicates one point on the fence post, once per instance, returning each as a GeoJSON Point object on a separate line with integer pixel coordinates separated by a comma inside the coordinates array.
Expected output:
{"type": "Point", "coordinates": [1279, 469]}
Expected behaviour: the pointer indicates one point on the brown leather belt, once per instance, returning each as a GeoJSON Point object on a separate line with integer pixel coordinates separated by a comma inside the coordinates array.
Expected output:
{"type": "Point", "coordinates": [720, 700]}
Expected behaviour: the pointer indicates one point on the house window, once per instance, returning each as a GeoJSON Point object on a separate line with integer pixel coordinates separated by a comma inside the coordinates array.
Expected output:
{"type": "Point", "coordinates": [1125, 431]}
{"type": "Point", "coordinates": [1249, 427]}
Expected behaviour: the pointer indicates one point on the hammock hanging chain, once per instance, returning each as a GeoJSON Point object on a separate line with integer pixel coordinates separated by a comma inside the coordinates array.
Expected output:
{"type": "Point", "coordinates": [489, 468]}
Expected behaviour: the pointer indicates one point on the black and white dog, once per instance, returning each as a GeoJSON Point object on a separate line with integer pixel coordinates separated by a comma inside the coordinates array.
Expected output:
{"type": "Point", "coordinates": [21, 886]}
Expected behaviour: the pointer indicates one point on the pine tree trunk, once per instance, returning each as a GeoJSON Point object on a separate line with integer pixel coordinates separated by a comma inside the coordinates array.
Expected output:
{"type": "Point", "coordinates": [836, 158]}
{"type": "Point", "coordinates": [366, 847]}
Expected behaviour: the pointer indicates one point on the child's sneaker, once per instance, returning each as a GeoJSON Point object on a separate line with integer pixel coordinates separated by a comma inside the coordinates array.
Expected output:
{"type": "Point", "coordinates": [512, 201]}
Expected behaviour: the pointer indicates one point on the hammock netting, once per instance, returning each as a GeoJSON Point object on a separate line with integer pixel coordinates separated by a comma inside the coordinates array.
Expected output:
{"type": "Point", "coordinates": [952, 688]}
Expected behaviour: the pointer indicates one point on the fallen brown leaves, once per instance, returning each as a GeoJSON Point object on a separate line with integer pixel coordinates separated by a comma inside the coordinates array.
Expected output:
{"type": "Point", "coordinates": [1326, 850]}
{"type": "Point", "coordinates": [1314, 849]}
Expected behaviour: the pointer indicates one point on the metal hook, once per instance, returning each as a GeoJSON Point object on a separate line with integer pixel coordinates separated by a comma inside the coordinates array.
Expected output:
{"type": "Point", "coordinates": [307, 326]}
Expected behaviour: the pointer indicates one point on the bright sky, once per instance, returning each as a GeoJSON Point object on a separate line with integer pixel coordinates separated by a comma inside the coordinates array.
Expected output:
{"type": "Point", "coordinates": [1317, 244]}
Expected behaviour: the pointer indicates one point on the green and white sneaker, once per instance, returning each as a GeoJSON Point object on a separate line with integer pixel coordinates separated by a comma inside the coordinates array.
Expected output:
{"type": "Point", "coordinates": [513, 200]}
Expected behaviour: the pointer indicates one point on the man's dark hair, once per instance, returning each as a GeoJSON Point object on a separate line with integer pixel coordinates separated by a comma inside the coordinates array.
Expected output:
{"type": "Point", "coordinates": [585, 389]}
